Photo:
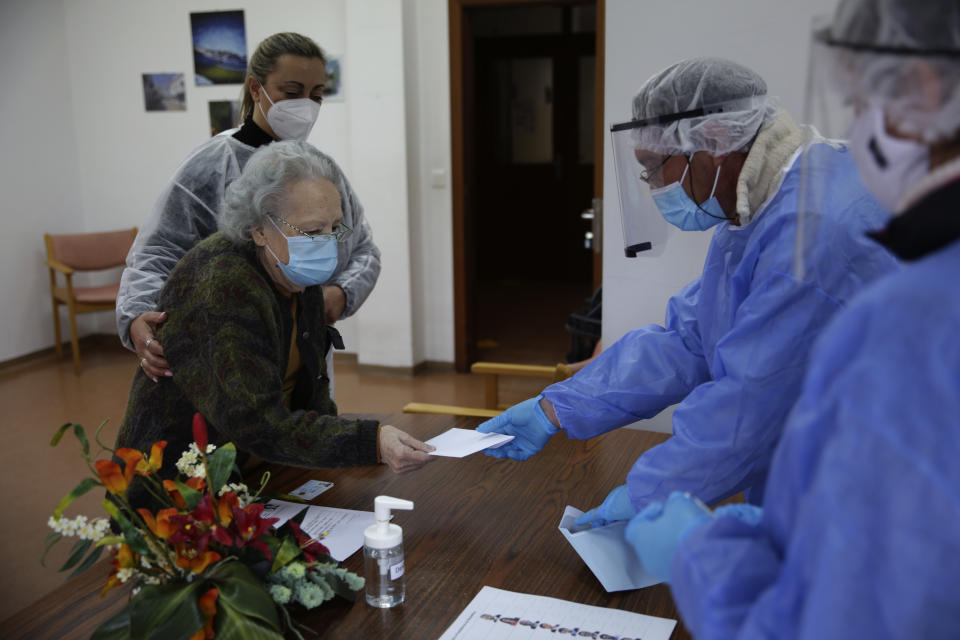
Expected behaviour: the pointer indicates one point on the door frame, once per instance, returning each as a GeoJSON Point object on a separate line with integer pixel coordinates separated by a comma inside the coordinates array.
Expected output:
{"type": "Point", "coordinates": [459, 86]}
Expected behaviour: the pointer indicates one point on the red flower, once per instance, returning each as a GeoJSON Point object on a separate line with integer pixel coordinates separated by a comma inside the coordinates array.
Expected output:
{"type": "Point", "coordinates": [310, 547]}
{"type": "Point", "coordinates": [197, 526]}
{"type": "Point", "coordinates": [200, 433]}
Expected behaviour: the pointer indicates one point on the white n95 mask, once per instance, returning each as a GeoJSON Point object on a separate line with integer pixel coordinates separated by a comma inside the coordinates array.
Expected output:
{"type": "Point", "coordinates": [889, 166]}
{"type": "Point", "coordinates": [291, 119]}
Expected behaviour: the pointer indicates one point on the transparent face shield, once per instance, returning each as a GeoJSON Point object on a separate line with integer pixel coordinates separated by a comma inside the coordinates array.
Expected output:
{"type": "Point", "coordinates": [644, 229]}
{"type": "Point", "coordinates": [640, 150]}
{"type": "Point", "coordinates": [831, 114]}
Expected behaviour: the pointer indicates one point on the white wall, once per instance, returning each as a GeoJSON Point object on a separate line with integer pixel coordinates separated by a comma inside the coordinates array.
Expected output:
{"type": "Point", "coordinates": [82, 154]}
{"type": "Point", "coordinates": [38, 166]}
{"type": "Point", "coordinates": [427, 54]}
{"type": "Point", "coordinates": [378, 145]}
{"type": "Point", "coordinates": [642, 38]}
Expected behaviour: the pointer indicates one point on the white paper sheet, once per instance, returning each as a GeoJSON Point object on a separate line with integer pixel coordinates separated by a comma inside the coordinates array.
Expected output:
{"type": "Point", "coordinates": [340, 530]}
{"type": "Point", "coordinates": [495, 613]}
{"type": "Point", "coordinates": [282, 510]}
{"type": "Point", "coordinates": [607, 553]}
{"type": "Point", "coordinates": [458, 443]}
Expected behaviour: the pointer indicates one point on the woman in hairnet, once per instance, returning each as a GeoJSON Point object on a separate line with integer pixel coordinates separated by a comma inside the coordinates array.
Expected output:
{"type": "Point", "coordinates": [860, 534]}
{"type": "Point", "coordinates": [246, 332]}
{"type": "Point", "coordinates": [715, 152]}
{"type": "Point", "coordinates": [280, 101]}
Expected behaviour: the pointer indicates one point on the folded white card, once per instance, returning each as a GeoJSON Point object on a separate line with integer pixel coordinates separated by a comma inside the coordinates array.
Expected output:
{"type": "Point", "coordinates": [608, 554]}
{"type": "Point", "coordinates": [458, 443]}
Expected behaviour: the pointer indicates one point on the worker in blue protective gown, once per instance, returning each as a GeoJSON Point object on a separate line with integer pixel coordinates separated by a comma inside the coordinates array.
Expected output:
{"type": "Point", "coordinates": [735, 343]}
{"type": "Point", "coordinates": [859, 535]}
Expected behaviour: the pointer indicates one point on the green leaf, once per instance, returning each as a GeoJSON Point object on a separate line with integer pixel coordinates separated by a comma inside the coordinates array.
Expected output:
{"type": "Point", "coordinates": [243, 595]}
{"type": "Point", "coordinates": [136, 541]}
{"type": "Point", "coordinates": [55, 440]}
{"type": "Point", "coordinates": [167, 611]}
{"type": "Point", "coordinates": [116, 628]}
{"type": "Point", "coordinates": [86, 564]}
{"type": "Point", "coordinates": [289, 550]}
{"type": "Point", "coordinates": [77, 553]}
{"type": "Point", "coordinates": [219, 466]}
{"type": "Point", "coordinates": [85, 485]}
{"type": "Point", "coordinates": [190, 496]}
{"type": "Point", "coordinates": [82, 437]}
{"type": "Point", "coordinates": [52, 538]}
{"type": "Point", "coordinates": [230, 623]}
{"type": "Point", "coordinates": [114, 511]}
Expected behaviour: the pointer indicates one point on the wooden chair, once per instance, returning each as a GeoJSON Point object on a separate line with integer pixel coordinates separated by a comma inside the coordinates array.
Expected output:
{"type": "Point", "coordinates": [493, 371]}
{"type": "Point", "coordinates": [70, 253]}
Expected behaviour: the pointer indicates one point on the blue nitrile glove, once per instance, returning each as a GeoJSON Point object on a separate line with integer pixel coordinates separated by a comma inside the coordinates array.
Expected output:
{"type": "Point", "coordinates": [655, 532]}
{"type": "Point", "coordinates": [615, 507]}
{"type": "Point", "coordinates": [750, 514]}
{"type": "Point", "coordinates": [527, 422]}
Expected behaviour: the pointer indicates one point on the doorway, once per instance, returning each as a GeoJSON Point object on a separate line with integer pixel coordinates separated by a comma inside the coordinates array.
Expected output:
{"type": "Point", "coordinates": [526, 153]}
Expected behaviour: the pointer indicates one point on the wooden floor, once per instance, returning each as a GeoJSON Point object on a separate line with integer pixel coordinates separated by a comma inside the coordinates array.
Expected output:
{"type": "Point", "coordinates": [40, 395]}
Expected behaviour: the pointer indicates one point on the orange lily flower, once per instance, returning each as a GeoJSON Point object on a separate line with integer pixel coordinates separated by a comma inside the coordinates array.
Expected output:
{"type": "Point", "coordinates": [225, 506]}
{"type": "Point", "coordinates": [199, 562]}
{"type": "Point", "coordinates": [145, 466]}
{"type": "Point", "coordinates": [160, 525]}
{"type": "Point", "coordinates": [208, 607]}
{"type": "Point", "coordinates": [111, 476]}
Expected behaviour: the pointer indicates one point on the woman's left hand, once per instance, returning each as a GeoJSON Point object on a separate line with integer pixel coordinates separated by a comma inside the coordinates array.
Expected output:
{"type": "Point", "coordinates": [401, 451]}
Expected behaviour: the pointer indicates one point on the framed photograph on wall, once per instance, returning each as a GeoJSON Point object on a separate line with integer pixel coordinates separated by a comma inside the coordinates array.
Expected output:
{"type": "Point", "coordinates": [164, 92]}
{"type": "Point", "coordinates": [224, 114]}
{"type": "Point", "coordinates": [333, 89]}
{"type": "Point", "coordinates": [219, 47]}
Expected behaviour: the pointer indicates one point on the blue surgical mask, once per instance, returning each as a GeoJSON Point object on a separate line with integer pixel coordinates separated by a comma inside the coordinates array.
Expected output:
{"type": "Point", "coordinates": [312, 260]}
{"type": "Point", "coordinates": [680, 211]}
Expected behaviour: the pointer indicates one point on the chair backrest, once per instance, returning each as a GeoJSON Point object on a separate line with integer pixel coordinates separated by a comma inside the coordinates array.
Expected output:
{"type": "Point", "coordinates": [91, 251]}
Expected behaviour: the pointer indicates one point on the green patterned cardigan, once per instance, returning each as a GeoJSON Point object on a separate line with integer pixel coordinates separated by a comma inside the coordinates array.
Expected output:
{"type": "Point", "coordinates": [227, 339]}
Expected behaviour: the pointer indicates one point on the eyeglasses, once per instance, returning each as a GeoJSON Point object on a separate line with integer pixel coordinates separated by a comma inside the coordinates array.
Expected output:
{"type": "Point", "coordinates": [340, 234]}
{"type": "Point", "coordinates": [650, 175]}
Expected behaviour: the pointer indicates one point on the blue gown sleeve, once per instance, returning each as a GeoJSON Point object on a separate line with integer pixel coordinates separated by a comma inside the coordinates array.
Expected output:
{"type": "Point", "coordinates": [861, 529]}
{"type": "Point", "coordinates": [725, 430]}
{"type": "Point", "coordinates": [638, 376]}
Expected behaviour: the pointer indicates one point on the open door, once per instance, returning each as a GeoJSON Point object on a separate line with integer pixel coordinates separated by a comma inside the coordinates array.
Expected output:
{"type": "Point", "coordinates": [527, 172]}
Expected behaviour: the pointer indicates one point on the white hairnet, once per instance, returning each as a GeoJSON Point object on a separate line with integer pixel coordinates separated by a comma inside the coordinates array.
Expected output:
{"type": "Point", "coordinates": [903, 56]}
{"type": "Point", "coordinates": [710, 85]}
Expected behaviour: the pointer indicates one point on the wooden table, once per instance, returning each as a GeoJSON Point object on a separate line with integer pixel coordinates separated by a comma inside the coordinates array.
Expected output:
{"type": "Point", "coordinates": [477, 521]}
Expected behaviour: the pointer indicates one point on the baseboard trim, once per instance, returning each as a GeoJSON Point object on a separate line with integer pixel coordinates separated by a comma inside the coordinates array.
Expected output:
{"type": "Point", "coordinates": [427, 366]}
{"type": "Point", "coordinates": [50, 353]}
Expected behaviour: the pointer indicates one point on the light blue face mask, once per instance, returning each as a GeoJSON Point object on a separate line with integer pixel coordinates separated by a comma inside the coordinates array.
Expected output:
{"type": "Point", "coordinates": [312, 260]}
{"type": "Point", "coordinates": [680, 211]}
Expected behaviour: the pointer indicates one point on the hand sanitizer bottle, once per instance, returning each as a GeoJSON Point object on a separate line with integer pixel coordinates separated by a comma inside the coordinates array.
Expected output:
{"type": "Point", "coordinates": [383, 555]}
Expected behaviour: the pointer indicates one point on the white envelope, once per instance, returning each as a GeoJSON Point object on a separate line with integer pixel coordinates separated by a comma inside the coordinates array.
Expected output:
{"type": "Point", "coordinates": [605, 550]}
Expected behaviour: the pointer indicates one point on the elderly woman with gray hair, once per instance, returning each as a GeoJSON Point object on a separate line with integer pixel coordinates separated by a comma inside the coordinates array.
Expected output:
{"type": "Point", "coordinates": [246, 334]}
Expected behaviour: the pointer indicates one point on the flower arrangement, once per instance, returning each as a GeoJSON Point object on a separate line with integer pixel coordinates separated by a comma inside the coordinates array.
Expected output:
{"type": "Point", "coordinates": [206, 564]}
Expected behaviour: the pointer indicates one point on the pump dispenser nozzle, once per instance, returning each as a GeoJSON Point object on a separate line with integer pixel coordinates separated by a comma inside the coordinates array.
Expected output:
{"type": "Point", "coordinates": [383, 534]}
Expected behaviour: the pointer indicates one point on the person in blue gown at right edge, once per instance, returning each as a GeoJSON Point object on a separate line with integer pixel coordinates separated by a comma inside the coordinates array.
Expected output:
{"type": "Point", "coordinates": [715, 152]}
{"type": "Point", "coordinates": [859, 536]}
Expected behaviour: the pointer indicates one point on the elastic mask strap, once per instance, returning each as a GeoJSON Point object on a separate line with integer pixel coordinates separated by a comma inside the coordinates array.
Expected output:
{"type": "Point", "coordinates": [259, 106]}
{"type": "Point", "coordinates": [277, 227]}
{"type": "Point", "coordinates": [712, 191]}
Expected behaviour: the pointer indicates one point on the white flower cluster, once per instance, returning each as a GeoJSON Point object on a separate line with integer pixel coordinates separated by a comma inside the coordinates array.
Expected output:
{"type": "Point", "coordinates": [80, 527]}
{"type": "Point", "coordinates": [190, 464]}
{"type": "Point", "coordinates": [243, 493]}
